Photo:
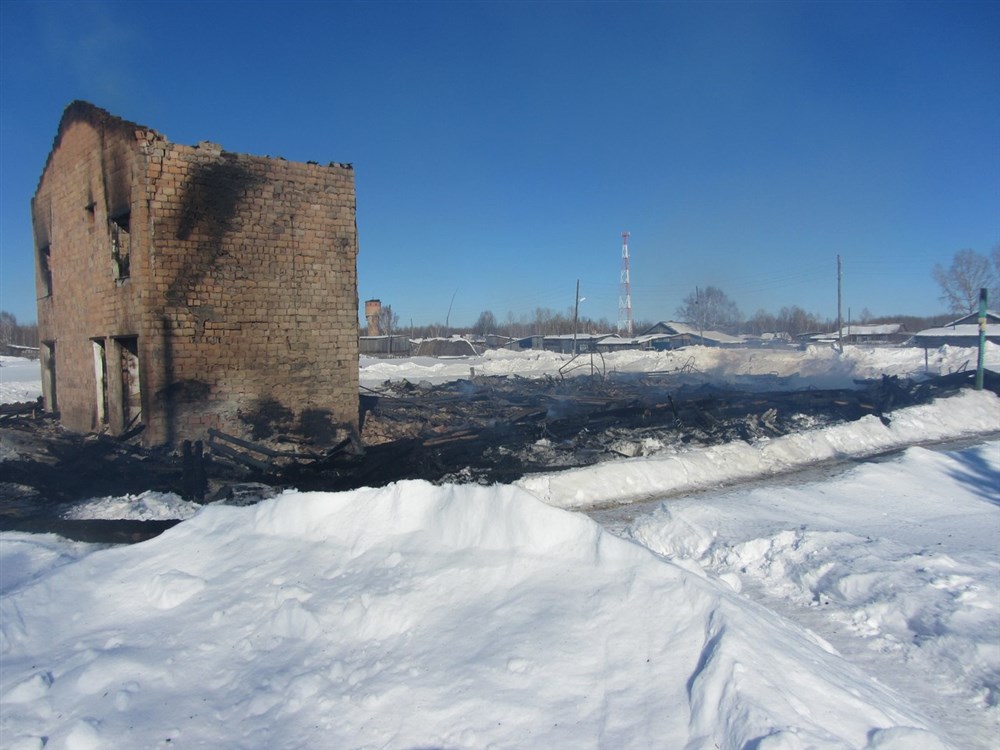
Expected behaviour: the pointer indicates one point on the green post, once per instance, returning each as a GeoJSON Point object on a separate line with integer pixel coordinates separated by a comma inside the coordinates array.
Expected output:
{"type": "Point", "coordinates": [982, 339]}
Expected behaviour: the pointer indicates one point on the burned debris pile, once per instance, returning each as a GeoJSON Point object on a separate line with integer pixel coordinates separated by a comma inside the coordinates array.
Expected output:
{"type": "Point", "coordinates": [489, 429]}
{"type": "Point", "coordinates": [498, 429]}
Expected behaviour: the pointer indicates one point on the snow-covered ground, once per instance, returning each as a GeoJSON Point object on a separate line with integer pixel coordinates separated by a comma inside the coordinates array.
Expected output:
{"type": "Point", "coordinates": [146, 506]}
{"type": "Point", "coordinates": [816, 366]}
{"type": "Point", "coordinates": [896, 564]}
{"type": "Point", "coordinates": [20, 380]}
{"type": "Point", "coordinates": [860, 611]}
{"type": "Point", "coordinates": [669, 473]}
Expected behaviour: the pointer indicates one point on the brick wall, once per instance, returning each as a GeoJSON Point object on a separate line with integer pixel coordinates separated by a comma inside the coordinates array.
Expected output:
{"type": "Point", "coordinates": [241, 285]}
{"type": "Point", "coordinates": [82, 299]}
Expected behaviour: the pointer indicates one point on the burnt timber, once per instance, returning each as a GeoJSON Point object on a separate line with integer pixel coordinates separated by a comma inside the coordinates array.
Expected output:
{"type": "Point", "coordinates": [498, 429]}
{"type": "Point", "coordinates": [487, 430]}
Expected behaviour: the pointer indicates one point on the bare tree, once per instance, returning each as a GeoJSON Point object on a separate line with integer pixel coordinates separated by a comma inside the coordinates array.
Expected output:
{"type": "Point", "coordinates": [762, 322]}
{"type": "Point", "coordinates": [794, 321]}
{"type": "Point", "coordinates": [387, 320]}
{"type": "Point", "coordinates": [7, 325]}
{"type": "Point", "coordinates": [486, 323]}
{"type": "Point", "coordinates": [709, 309]}
{"type": "Point", "coordinates": [18, 334]}
{"type": "Point", "coordinates": [969, 272]}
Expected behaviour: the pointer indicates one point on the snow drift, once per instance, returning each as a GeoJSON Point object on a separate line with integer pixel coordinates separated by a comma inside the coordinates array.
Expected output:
{"type": "Point", "coordinates": [895, 563]}
{"type": "Point", "coordinates": [414, 616]}
{"type": "Point", "coordinates": [20, 379]}
{"type": "Point", "coordinates": [631, 480]}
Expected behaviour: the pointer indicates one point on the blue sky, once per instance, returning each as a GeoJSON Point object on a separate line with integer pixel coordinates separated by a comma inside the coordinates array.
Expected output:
{"type": "Point", "coordinates": [500, 149]}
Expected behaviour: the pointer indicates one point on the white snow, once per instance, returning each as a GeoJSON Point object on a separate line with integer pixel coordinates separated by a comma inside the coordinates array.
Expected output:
{"type": "Point", "coordinates": [815, 366]}
{"type": "Point", "coordinates": [857, 611]}
{"type": "Point", "coordinates": [633, 479]}
{"type": "Point", "coordinates": [418, 616]}
{"type": "Point", "coordinates": [20, 380]}
{"type": "Point", "coordinates": [146, 506]}
{"type": "Point", "coordinates": [896, 564]}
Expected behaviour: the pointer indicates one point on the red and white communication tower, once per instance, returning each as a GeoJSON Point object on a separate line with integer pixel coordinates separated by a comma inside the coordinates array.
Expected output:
{"type": "Point", "coordinates": [625, 293]}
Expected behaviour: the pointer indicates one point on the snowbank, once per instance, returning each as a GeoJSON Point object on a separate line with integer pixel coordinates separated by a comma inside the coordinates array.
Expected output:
{"type": "Point", "coordinates": [815, 366]}
{"type": "Point", "coordinates": [20, 380]}
{"type": "Point", "coordinates": [629, 480]}
{"type": "Point", "coordinates": [416, 616]}
{"type": "Point", "coordinates": [146, 506]}
{"type": "Point", "coordinates": [895, 563]}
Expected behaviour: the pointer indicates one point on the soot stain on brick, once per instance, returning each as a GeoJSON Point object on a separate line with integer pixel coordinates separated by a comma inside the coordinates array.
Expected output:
{"type": "Point", "coordinates": [267, 415]}
{"type": "Point", "coordinates": [185, 391]}
{"type": "Point", "coordinates": [318, 424]}
{"type": "Point", "coordinates": [211, 197]}
{"type": "Point", "coordinates": [210, 202]}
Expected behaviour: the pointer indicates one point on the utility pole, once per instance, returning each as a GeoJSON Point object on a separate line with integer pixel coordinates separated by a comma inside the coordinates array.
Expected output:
{"type": "Point", "coordinates": [840, 324]}
{"type": "Point", "coordinates": [625, 292]}
{"type": "Point", "coordinates": [701, 315]}
{"type": "Point", "coordinates": [576, 315]}
{"type": "Point", "coordinates": [982, 339]}
{"type": "Point", "coordinates": [447, 318]}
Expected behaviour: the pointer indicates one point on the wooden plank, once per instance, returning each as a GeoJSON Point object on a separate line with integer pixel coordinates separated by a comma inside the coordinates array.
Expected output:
{"type": "Point", "coordinates": [11, 409]}
{"type": "Point", "coordinates": [242, 458]}
{"type": "Point", "coordinates": [262, 449]}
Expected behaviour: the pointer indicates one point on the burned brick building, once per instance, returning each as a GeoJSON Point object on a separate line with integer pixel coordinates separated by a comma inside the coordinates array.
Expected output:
{"type": "Point", "coordinates": [185, 288]}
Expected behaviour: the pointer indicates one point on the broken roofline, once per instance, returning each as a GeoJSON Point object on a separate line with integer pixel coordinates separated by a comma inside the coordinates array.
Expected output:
{"type": "Point", "coordinates": [100, 119]}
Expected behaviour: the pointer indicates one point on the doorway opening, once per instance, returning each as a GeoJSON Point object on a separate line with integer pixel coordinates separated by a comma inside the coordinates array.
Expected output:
{"type": "Point", "coordinates": [131, 392]}
{"type": "Point", "coordinates": [48, 352]}
{"type": "Point", "coordinates": [101, 381]}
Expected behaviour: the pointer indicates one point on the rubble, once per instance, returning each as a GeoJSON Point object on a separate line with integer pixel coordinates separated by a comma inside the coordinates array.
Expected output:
{"type": "Point", "coordinates": [485, 430]}
{"type": "Point", "coordinates": [498, 429]}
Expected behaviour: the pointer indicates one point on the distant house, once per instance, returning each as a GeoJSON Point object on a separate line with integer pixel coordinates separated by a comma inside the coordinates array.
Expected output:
{"type": "Point", "coordinates": [562, 343]}
{"type": "Point", "coordinates": [676, 335]}
{"type": "Point", "coordinates": [769, 339]}
{"type": "Point", "coordinates": [496, 341]}
{"type": "Point", "coordinates": [885, 333]}
{"type": "Point", "coordinates": [386, 345]}
{"type": "Point", "coordinates": [527, 342]}
{"type": "Point", "coordinates": [812, 337]}
{"type": "Point", "coordinates": [961, 332]}
{"type": "Point", "coordinates": [444, 347]}
{"type": "Point", "coordinates": [615, 343]}
{"type": "Point", "coordinates": [13, 350]}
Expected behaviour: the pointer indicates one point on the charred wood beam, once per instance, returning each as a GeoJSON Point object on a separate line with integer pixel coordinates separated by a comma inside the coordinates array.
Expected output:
{"type": "Point", "coordinates": [239, 457]}
{"type": "Point", "coordinates": [255, 447]}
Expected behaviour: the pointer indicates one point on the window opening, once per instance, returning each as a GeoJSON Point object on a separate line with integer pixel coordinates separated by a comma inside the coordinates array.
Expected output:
{"type": "Point", "coordinates": [49, 375]}
{"type": "Point", "coordinates": [131, 393]}
{"type": "Point", "coordinates": [121, 244]}
{"type": "Point", "coordinates": [45, 269]}
{"type": "Point", "coordinates": [101, 377]}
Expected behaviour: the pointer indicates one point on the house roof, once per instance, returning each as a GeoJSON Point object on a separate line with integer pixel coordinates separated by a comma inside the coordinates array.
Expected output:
{"type": "Point", "coordinates": [973, 318]}
{"type": "Point", "coordinates": [578, 336]}
{"type": "Point", "coordinates": [966, 330]}
{"type": "Point", "coordinates": [686, 329]}
{"type": "Point", "coordinates": [615, 339]}
{"type": "Point", "coordinates": [884, 329]}
{"type": "Point", "coordinates": [965, 327]}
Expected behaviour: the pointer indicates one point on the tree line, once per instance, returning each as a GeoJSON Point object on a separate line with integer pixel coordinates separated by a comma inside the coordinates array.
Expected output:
{"type": "Point", "coordinates": [707, 308]}
{"type": "Point", "coordinates": [710, 309]}
{"type": "Point", "coordinates": [13, 333]}
{"type": "Point", "coordinates": [791, 320]}
{"type": "Point", "coordinates": [542, 320]}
